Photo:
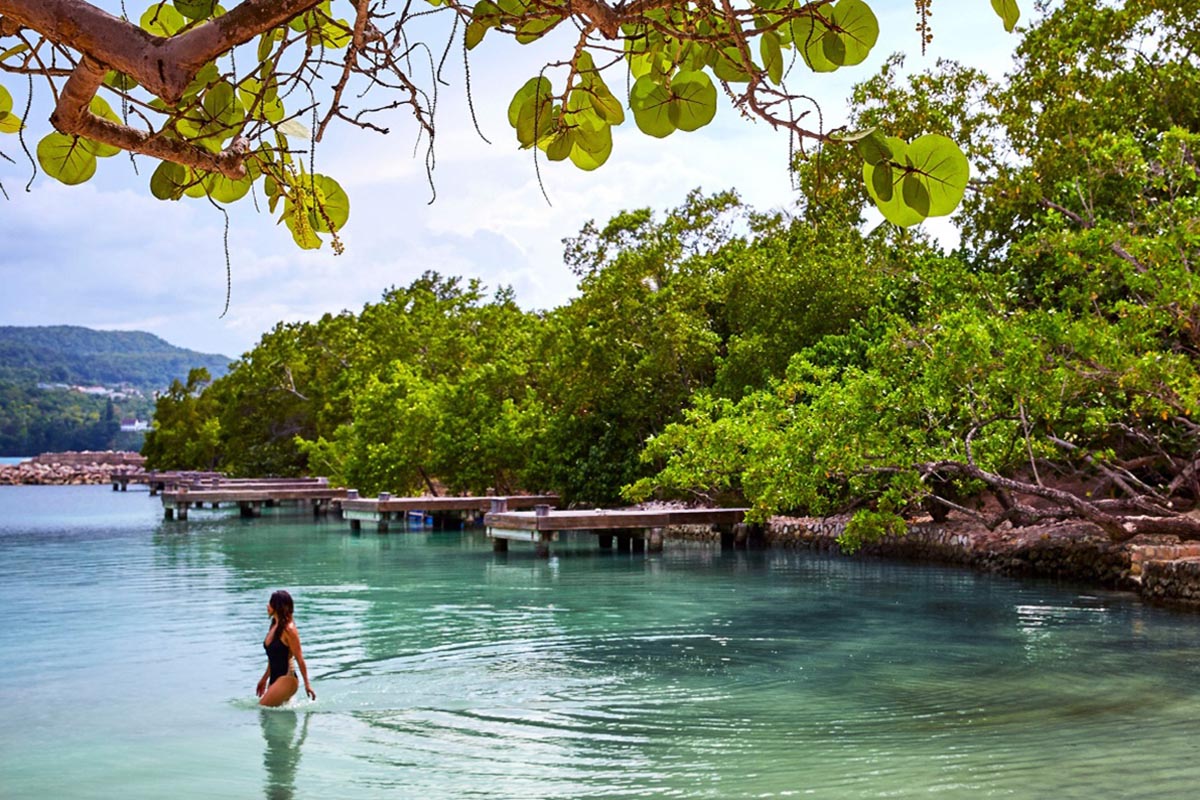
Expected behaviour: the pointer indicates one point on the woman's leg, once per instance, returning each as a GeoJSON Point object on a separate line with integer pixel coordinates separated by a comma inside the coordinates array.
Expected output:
{"type": "Point", "coordinates": [280, 691]}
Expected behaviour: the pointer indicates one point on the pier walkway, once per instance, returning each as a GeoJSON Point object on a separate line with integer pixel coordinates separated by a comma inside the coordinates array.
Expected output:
{"type": "Point", "coordinates": [384, 511]}
{"type": "Point", "coordinates": [635, 530]}
{"type": "Point", "coordinates": [250, 495]}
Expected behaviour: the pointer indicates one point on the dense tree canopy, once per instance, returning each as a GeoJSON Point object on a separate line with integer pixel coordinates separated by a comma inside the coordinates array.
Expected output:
{"type": "Point", "coordinates": [225, 98]}
{"type": "Point", "coordinates": [1052, 362]}
{"type": "Point", "coordinates": [1044, 370]}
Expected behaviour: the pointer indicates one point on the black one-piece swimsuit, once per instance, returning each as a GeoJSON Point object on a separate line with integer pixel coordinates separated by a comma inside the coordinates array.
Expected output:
{"type": "Point", "coordinates": [278, 656]}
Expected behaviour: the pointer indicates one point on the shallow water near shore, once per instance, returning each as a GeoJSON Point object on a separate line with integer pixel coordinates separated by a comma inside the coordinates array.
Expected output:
{"type": "Point", "coordinates": [130, 646]}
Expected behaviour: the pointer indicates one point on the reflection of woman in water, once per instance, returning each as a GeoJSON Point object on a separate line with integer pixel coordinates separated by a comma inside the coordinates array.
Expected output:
{"type": "Point", "coordinates": [278, 683]}
{"type": "Point", "coordinates": [282, 754]}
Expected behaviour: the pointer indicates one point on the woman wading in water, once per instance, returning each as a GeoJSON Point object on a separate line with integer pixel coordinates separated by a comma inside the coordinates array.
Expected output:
{"type": "Point", "coordinates": [278, 683]}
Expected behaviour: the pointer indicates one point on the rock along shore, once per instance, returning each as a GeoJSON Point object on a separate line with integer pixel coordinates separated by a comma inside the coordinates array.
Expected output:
{"type": "Point", "coordinates": [1158, 568]}
{"type": "Point", "coordinates": [70, 469]}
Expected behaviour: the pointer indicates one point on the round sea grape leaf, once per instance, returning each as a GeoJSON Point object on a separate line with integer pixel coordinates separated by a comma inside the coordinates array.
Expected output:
{"type": "Point", "coordinates": [833, 47]}
{"type": "Point", "coordinates": [915, 194]}
{"type": "Point", "coordinates": [193, 185]}
{"type": "Point", "coordinates": [727, 65]}
{"type": "Point", "coordinates": [207, 75]}
{"type": "Point", "coordinates": [9, 123]}
{"type": "Point", "coordinates": [534, 29]}
{"type": "Point", "coordinates": [771, 50]}
{"type": "Point", "coordinates": [120, 81]}
{"type": "Point", "coordinates": [607, 106]}
{"type": "Point", "coordinates": [162, 20]}
{"type": "Point", "coordinates": [168, 181]}
{"type": "Point", "coordinates": [943, 169]}
{"type": "Point", "coordinates": [535, 121]}
{"type": "Point", "coordinates": [809, 36]}
{"type": "Point", "coordinates": [66, 158]}
{"type": "Point", "coordinates": [333, 202]}
{"type": "Point", "coordinates": [650, 103]}
{"type": "Point", "coordinates": [874, 147]}
{"type": "Point", "coordinates": [226, 190]}
{"type": "Point", "coordinates": [293, 127]}
{"type": "Point", "coordinates": [558, 147]}
{"type": "Point", "coordinates": [592, 157]}
{"type": "Point", "coordinates": [881, 180]}
{"type": "Point", "coordinates": [474, 34]}
{"type": "Point", "coordinates": [533, 89]}
{"type": "Point", "coordinates": [195, 9]}
{"type": "Point", "coordinates": [336, 34]}
{"type": "Point", "coordinates": [222, 105]}
{"type": "Point", "coordinates": [595, 141]}
{"type": "Point", "coordinates": [100, 107]}
{"type": "Point", "coordinates": [857, 30]}
{"type": "Point", "coordinates": [6, 101]}
{"type": "Point", "coordinates": [694, 100]}
{"type": "Point", "coordinates": [1009, 11]}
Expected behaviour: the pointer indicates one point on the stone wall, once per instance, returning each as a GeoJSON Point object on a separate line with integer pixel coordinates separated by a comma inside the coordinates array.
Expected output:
{"type": "Point", "coordinates": [1176, 580]}
{"type": "Point", "coordinates": [84, 458]}
{"type": "Point", "coordinates": [73, 473]}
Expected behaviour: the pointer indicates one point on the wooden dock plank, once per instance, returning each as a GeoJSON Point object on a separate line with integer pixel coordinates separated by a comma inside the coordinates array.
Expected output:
{"type": "Point", "coordinates": [442, 503]}
{"type": "Point", "coordinates": [237, 495]}
{"type": "Point", "coordinates": [609, 519]}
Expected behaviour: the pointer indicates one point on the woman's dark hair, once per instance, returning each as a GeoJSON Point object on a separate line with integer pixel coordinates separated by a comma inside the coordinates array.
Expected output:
{"type": "Point", "coordinates": [281, 604]}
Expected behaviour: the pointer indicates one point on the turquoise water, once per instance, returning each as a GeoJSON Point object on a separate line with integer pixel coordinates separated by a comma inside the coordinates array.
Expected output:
{"type": "Point", "coordinates": [129, 649]}
{"type": "Point", "coordinates": [11, 460]}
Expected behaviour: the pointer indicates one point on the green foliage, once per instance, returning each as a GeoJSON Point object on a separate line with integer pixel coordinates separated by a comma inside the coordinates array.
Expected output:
{"type": "Point", "coordinates": [35, 420]}
{"type": "Point", "coordinates": [71, 354]}
{"type": "Point", "coordinates": [255, 103]}
{"type": "Point", "coordinates": [9, 122]}
{"type": "Point", "coordinates": [186, 430]}
{"type": "Point", "coordinates": [1058, 353]}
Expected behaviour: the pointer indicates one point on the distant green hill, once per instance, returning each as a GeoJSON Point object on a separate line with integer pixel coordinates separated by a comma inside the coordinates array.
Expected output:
{"type": "Point", "coordinates": [71, 354]}
{"type": "Point", "coordinates": [35, 420]}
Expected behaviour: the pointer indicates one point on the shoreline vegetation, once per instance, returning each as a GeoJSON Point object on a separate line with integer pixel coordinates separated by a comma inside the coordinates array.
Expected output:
{"type": "Point", "coordinates": [1041, 378]}
{"type": "Point", "coordinates": [1158, 568]}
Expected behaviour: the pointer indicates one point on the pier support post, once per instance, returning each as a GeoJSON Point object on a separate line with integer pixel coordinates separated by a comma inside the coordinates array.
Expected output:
{"type": "Point", "coordinates": [543, 542]}
{"type": "Point", "coordinates": [181, 512]}
{"type": "Point", "coordinates": [168, 513]}
{"type": "Point", "coordinates": [655, 536]}
{"type": "Point", "coordinates": [355, 525]}
{"type": "Point", "coordinates": [624, 542]}
{"type": "Point", "coordinates": [756, 537]}
{"type": "Point", "coordinates": [726, 534]}
{"type": "Point", "coordinates": [605, 540]}
{"type": "Point", "coordinates": [115, 487]}
{"type": "Point", "coordinates": [638, 544]}
{"type": "Point", "coordinates": [499, 545]}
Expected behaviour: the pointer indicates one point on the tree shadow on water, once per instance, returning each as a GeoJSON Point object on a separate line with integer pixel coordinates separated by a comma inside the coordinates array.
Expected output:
{"type": "Point", "coordinates": [281, 756]}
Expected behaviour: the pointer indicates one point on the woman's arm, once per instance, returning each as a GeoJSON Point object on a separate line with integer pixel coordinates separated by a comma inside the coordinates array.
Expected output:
{"type": "Point", "coordinates": [291, 637]}
{"type": "Point", "coordinates": [262, 682]}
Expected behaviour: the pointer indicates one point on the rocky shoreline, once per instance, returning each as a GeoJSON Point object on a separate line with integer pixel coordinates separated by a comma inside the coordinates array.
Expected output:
{"type": "Point", "coordinates": [70, 469]}
{"type": "Point", "coordinates": [1157, 568]}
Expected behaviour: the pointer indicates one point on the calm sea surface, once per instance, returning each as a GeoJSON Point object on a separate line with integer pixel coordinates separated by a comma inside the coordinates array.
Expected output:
{"type": "Point", "coordinates": [129, 649]}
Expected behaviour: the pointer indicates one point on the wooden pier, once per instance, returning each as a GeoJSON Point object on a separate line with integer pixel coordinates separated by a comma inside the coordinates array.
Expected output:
{"type": "Point", "coordinates": [160, 480]}
{"type": "Point", "coordinates": [635, 530]}
{"type": "Point", "coordinates": [384, 511]}
{"type": "Point", "coordinates": [251, 496]}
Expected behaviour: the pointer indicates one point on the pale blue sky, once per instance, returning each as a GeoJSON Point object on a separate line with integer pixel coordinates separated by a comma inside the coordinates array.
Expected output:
{"type": "Point", "coordinates": [108, 255]}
